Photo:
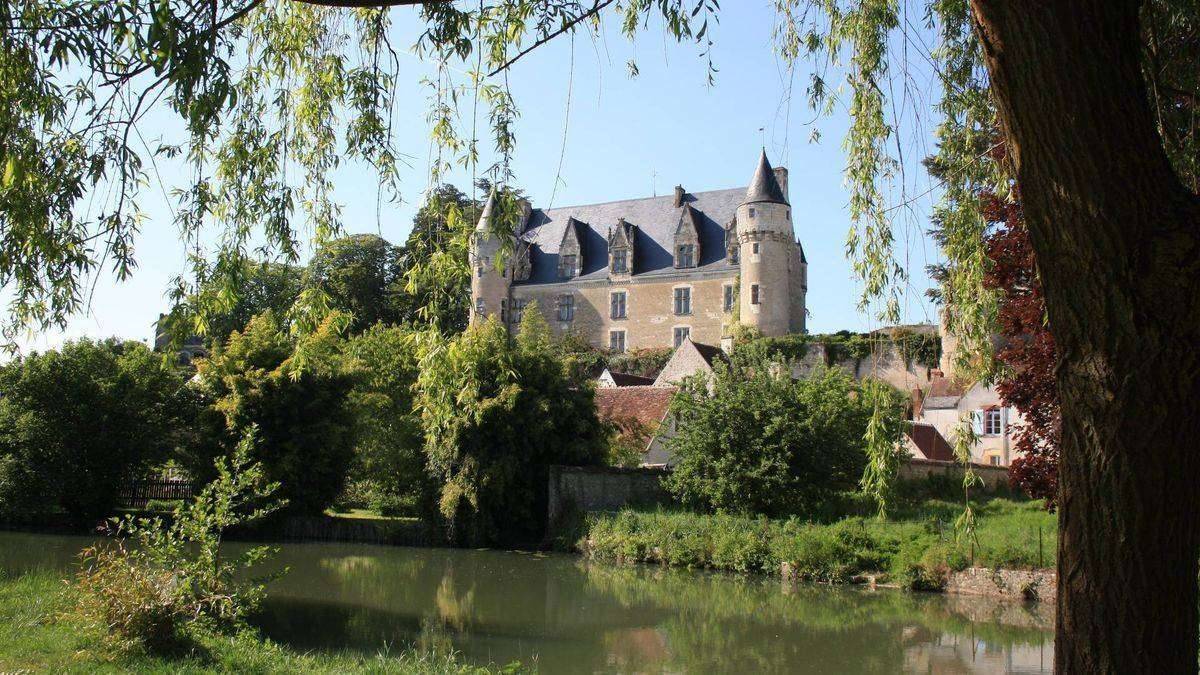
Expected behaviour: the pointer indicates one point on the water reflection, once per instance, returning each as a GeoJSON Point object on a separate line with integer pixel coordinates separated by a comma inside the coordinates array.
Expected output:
{"type": "Point", "coordinates": [568, 616]}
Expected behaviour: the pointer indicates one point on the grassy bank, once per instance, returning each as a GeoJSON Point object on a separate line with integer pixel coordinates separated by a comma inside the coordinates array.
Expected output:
{"type": "Point", "coordinates": [917, 549]}
{"type": "Point", "coordinates": [37, 634]}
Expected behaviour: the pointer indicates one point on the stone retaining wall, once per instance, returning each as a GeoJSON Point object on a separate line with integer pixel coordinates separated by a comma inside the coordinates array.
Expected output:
{"type": "Point", "coordinates": [1026, 584]}
{"type": "Point", "coordinates": [994, 477]}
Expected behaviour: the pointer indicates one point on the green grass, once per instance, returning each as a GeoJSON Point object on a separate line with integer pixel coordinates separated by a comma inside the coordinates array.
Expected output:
{"type": "Point", "coordinates": [37, 634]}
{"type": "Point", "coordinates": [917, 548]}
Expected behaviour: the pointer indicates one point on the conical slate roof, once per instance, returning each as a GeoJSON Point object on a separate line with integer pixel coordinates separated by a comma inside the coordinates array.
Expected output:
{"type": "Point", "coordinates": [486, 214]}
{"type": "Point", "coordinates": [764, 187]}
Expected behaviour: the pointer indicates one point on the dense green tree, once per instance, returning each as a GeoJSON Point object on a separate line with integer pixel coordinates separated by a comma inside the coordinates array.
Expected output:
{"type": "Point", "coordinates": [390, 441]}
{"type": "Point", "coordinates": [435, 260]}
{"type": "Point", "coordinates": [360, 275]}
{"type": "Point", "coordinates": [751, 439]}
{"type": "Point", "coordinates": [78, 423]}
{"type": "Point", "coordinates": [230, 300]}
{"type": "Point", "coordinates": [298, 398]}
{"type": "Point", "coordinates": [497, 412]}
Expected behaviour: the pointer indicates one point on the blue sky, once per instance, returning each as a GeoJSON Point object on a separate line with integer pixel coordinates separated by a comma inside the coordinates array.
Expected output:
{"type": "Point", "coordinates": [624, 138]}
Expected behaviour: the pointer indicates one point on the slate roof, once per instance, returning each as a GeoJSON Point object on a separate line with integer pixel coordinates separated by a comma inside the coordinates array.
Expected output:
{"type": "Point", "coordinates": [764, 187]}
{"type": "Point", "coordinates": [630, 380]}
{"type": "Point", "coordinates": [654, 219]}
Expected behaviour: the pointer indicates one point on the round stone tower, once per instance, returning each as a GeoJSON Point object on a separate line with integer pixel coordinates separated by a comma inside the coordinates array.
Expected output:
{"type": "Point", "coordinates": [768, 254]}
{"type": "Point", "coordinates": [489, 285]}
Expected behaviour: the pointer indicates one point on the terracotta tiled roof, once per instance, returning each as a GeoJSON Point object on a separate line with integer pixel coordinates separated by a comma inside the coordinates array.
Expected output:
{"type": "Point", "coordinates": [943, 392]}
{"type": "Point", "coordinates": [646, 404]}
{"type": "Point", "coordinates": [929, 441]}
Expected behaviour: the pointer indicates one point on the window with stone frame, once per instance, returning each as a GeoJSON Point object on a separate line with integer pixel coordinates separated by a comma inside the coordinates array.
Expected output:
{"type": "Point", "coordinates": [681, 333]}
{"type": "Point", "coordinates": [754, 294]}
{"type": "Point", "coordinates": [617, 305]}
{"type": "Point", "coordinates": [518, 310]}
{"type": "Point", "coordinates": [616, 341]}
{"type": "Point", "coordinates": [683, 301]}
{"type": "Point", "coordinates": [685, 255]}
{"type": "Point", "coordinates": [993, 422]}
{"type": "Point", "coordinates": [479, 306]}
{"type": "Point", "coordinates": [568, 266]}
{"type": "Point", "coordinates": [620, 261]}
{"type": "Point", "coordinates": [566, 307]}
{"type": "Point", "coordinates": [503, 311]}
{"type": "Point", "coordinates": [728, 299]}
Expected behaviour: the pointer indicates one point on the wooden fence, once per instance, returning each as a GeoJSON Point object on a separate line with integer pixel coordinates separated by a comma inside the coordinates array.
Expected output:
{"type": "Point", "coordinates": [137, 493]}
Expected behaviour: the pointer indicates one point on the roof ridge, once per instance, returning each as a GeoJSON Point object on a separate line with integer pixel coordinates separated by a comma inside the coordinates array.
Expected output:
{"type": "Point", "coordinates": [635, 199]}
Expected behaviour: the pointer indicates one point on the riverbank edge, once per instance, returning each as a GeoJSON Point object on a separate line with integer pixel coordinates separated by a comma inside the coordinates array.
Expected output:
{"type": "Point", "coordinates": [1036, 585]}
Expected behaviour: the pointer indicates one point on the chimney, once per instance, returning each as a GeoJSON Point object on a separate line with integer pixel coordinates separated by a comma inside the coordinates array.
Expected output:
{"type": "Point", "coordinates": [679, 193]}
{"type": "Point", "coordinates": [781, 178]}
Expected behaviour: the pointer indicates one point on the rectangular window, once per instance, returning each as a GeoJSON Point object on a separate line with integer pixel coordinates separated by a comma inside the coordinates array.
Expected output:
{"type": "Point", "coordinates": [727, 305]}
{"type": "Point", "coordinates": [479, 271]}
{"type": "Point", "coordinates": [754, 248]}
{"type": "Point", "coordinates": [566, 307]}
{"type": "Point", "coordinates": [735, 254]}
{"type": "Point", "coordinates": [681, 334]}
{"type": "Point", "coordinates": [683, 301]}
{"type": "Point", "coordinates": [616, 341]}
{"type": "Point", "coordinates": [620, 262]}
{"type": "Point", "coordinates": [518, 311]}
{"type": "Point", "coordinates": [754, 294]}
{"type": "Point", "coordinates": [617, 305]}
{"type": "Point", "coordinates": [991, 422]}
{"type": "Point", "coordinates": [687, 255]}
{"type": "Point", "coordinates": [994, 460]}
{"type": "Point", "coordinates": [503, 311]}
{"type": "Point", "coordinates": [566, 266]}
{"type": "Point", "coordinates": [478, 306]}
{"type": "Point", "coordinates": [751, 211]}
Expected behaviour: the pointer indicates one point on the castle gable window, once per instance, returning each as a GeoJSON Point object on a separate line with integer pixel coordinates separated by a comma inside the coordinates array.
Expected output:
{"type": "Point", "coordinates": [620, 262]}
{"type": "Point", "coordinates": [566, 307]}
{"type": "Point", "coordinates": [687, 238]}
{"type": "Point", "coordinates": [568, 266]}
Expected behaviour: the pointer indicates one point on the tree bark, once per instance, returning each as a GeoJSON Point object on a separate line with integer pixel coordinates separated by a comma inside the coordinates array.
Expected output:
{"type": "Point", "coordinates": [1117, 237]}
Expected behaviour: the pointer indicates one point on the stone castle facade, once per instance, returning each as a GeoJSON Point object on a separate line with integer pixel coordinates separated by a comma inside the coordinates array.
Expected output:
{"type": "Point", "coordinates": [651, 272]}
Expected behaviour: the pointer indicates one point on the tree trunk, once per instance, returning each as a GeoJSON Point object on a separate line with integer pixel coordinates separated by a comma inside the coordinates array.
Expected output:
{"type": "Point", "coordinates": [1116, 235]}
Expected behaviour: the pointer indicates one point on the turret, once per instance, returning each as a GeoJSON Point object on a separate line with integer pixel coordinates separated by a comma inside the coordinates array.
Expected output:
{"type": "Point", "coordinates": [489, 284]}
{"type": "Point", "coordinates": [772, 268]}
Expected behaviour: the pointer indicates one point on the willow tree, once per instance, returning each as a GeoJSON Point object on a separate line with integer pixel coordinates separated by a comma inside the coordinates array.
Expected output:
{"type": "Point", "coordinates": [1096, 99]}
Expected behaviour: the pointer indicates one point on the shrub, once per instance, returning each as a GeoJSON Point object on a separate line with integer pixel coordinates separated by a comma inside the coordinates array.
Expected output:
{"type": "Point", "coordinates": [296, 397]}
{"type": "Point", "coordinates": [76, 424]}
{"type": "Point", "coordinates": [176, 574]}
{"type": "Point", "coordinates": [753, 440]}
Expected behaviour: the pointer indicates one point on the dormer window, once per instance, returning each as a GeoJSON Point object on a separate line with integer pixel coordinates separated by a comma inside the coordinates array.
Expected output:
{"type": "Point", "coordinates": [685, 255]}
{"type": "Point", "coordinates": [735, 254]}
{"type": "Point", "coordinates": [567, 266]}
{"type": "Point", "coordinates": [620, 262]}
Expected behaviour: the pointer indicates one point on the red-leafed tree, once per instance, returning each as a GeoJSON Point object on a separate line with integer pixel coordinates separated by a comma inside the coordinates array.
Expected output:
{"type": "Point", "coordinates": [1027, 352]}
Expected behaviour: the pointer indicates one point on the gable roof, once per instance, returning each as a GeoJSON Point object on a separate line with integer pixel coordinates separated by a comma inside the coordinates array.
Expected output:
{"type": "Point", "coordinates": [610, 378]}
{"type": "Point", "coordinates": [688, 359]}
{"type": "Point", "coordinates": [929, 441]}
{"type": "Point", "coordinates": [654, 220]}
{"type": "Point", "coordinates": [943, 393]}
{"type": "Point", "coordinates": [764, 187]}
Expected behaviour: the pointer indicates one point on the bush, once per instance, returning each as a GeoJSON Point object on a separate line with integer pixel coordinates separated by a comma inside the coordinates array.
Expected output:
{"type": "Point", "coordinates": [172, 575]}
{"type": "Point", "coordinates": [497, 412]}
{"type": "Point", "coordinates": [753, 440]}
{"type": "Point", "coordinates": [297, 399]}
{"type": "Point", "coordinates": [76, 424]}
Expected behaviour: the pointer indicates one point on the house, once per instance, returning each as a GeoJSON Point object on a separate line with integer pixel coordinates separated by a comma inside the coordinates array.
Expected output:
{"type": "Point", "coordinates": [609, 379]}
{"type": "Point", "coordinates": [650, 272]}
{"type": "Point", "coordinates": [946, 403]}
{"type": "Point", "coordinates": [641, 412]}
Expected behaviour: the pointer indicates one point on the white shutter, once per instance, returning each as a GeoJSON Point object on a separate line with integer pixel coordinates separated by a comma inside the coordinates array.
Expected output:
{"type": "Point", "coordinates": [977, 422]}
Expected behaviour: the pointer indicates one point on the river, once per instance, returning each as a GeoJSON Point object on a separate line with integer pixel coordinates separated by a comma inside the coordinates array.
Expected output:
{"type": "Point", "coordinates": [569, 616]}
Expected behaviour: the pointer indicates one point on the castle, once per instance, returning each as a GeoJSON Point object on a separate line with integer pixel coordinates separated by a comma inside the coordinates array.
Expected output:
{"type": "Point", "coordinates": [651, 272]}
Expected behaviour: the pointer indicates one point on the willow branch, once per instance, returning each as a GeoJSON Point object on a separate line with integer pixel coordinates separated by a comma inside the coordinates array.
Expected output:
{"type": "Point", "coordinates": [550, 36]}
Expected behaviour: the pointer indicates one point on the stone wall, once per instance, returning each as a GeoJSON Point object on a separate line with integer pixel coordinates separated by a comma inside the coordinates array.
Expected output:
{"type": "Point", "coordinates": [574, 489]}
{"type": "Point", "coordinates": [994, 477]}
{"type": "Point", "coordinates": [649, 308]}
{"type": "Point", "coordinates": [1024, 584]}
